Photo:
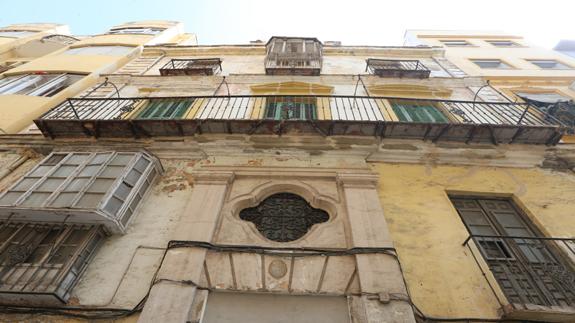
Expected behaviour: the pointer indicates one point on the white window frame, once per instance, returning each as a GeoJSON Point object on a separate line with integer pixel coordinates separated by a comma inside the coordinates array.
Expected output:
{"type": "Point", "coordinates": [502, 65]}
{"type": "Point", "coordinates": [562, 66]}
{"type": "Point", "coordinates": [71, 184]}
{"type": "Point", "coordinates": [19, 84]}
{"type": "Point", "coordinates": [493, 42]}
{"type": "Point", "coordinates": [456, 43]}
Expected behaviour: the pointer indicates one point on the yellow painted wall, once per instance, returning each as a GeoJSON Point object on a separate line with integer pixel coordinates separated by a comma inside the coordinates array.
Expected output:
{"type": "Point", "coordinates": [66, 63]}
{"type": "Point", "coordinates": [124, 39]}
{"type": "Point", "coordinates": [441, 275]}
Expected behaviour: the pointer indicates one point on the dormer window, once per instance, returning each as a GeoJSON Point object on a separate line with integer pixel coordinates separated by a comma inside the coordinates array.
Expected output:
{"type": "Point", "coordinates": [293, 56]}
{"type": "Point", "coordinates": [203, 66]}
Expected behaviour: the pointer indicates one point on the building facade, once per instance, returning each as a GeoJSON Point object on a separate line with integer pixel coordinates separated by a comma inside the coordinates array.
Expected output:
{"type": "Point", "coordinates": [287, 181]}
{"type": "Point", "coordinates": [517, 70]}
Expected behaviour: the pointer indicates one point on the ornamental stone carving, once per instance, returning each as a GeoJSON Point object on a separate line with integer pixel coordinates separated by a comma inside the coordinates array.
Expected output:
{"type": "Point", "coordinates": [284, 217]}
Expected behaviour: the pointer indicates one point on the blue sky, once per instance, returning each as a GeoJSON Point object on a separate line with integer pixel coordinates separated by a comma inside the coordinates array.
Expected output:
{"type": "Point", "coordinates": [354, 22]}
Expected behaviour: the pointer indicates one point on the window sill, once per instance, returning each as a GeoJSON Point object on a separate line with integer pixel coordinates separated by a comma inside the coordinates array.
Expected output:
{"type": "Point", "coordinates": [538, 313]}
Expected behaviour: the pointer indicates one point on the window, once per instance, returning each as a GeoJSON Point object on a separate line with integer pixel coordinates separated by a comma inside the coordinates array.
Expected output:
{"type": "Point", "coordinates": [549, 64]}
{"type": "Point", "coordinates": [136, 30]}
{"type": "Point", "coordinates": [16, 33]}
{"type": "Point", "coordinates": [290, 109]}
{"type": "Point", "coordinates": [456, 43]}
{"type": "Point", "coordinates": [100, 50]}
{"type": "Point", "coordinates": [491, 63]}
{"type": "Point", "coordinates": [284, 217]}
{"type": "Point", "coordinates": [37, 84]}
{"type": "Point", "coordinates": [111, 183]}
{"type": "Point", "coordinates": [502, 43]}
{"type": "Point", "coordinates": [293, 56]}
{"type": "Point", "coordinates": [44, 260]}
{"type": "Point", "coordinates": [418, 112]}
{"type": "Point", "coordinates": [527, 269]}
{"type": "Point", "coordinates": [165, 109]}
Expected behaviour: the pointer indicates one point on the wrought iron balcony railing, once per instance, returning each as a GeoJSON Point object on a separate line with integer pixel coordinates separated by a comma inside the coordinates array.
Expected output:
{"type": "Point", "coordinates": [329, 115]}
{"type": "Point", "coordinates": [534, 273]}
{"type": "Point", "coordinates": [204, 66]}
{"type": "Point", "coordinates": [397, 68]}
{"type": "Point", "coordinates": [293, 64]}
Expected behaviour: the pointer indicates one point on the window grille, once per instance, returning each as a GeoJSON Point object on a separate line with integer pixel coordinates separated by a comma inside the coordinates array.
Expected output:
{"type": "Point", "coordinates": [43, 262]}
{"type": "Point", "coordinates": [529, 267]}
{"type": "Point", "coordinates": [284, 217]}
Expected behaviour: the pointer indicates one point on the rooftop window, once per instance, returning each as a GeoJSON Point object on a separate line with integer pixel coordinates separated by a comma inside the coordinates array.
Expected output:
{"type": "Point", "coordinates": [549, 64]}
{"type": "Point", "coordinates": [456, 43]}
{"type": "Point", "coordinates": [136, 30]}
{"type": "Point", "coordinates": [491, 64]}
{"type": "Point", "coordinates": [502, 43]}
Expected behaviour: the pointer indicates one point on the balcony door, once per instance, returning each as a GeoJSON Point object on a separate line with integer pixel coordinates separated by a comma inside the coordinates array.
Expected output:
{"type": "Point", "coordinates": [409, 112]}
{"type": "Point", "coordinates": [529, 270]}
{"type": "Point", "coordinates": [165, 109]}
{"type": "Point", "coordinates": [290, 109]}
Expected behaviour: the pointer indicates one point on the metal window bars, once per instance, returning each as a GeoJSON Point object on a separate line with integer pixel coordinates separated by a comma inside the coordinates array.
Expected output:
{"type": "Point", "coordinates": [530, 271]}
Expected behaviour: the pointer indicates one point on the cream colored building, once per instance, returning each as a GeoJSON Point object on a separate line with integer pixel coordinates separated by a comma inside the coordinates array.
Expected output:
{"type": "Point", "coordinates": [31, 89]}
{"type": "Point", "coordinates": [516, 68]}
{"type": "Point", "coordinates": [292, 181]}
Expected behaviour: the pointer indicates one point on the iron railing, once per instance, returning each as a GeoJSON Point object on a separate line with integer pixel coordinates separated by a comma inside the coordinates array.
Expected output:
{"type": "Point", "coordinates": [403, 117]}
{"type": "Point", "coordinates": [181, 66]}
{"type": "Point", "coordinates": [530, 271]}
{"type": "Point", "coordinates": [356, 108]}
{"type": "Point", "coordinates": [293, 63]}
{"type": "Point", "coordinates": [397, 68]}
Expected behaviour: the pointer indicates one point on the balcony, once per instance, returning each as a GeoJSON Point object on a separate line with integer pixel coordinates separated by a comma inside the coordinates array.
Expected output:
{"type": "Point", "coordinates": [293, 56]}
{"type": "Point", "coordinates": [397, 68]}
{"type": "Point", "coordinates": [535, 274]}
{"type": "Point", "coordinates": [389, 117]}
{"type": "Point", "coordinates": [206, 66]}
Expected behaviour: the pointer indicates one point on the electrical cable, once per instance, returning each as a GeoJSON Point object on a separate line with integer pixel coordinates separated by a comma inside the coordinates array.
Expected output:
{"type": "Point", "coordinates": [112, 313]}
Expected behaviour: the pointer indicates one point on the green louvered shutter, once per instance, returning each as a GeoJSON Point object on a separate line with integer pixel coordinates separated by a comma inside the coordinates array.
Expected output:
{"type": "Point", "coordinates": [165, 109]}
{"type": "Point", "coordinates": [418, 113]}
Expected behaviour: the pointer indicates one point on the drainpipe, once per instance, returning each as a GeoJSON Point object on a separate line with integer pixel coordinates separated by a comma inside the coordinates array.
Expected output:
{"type": "Point", "coordinates": [15, 164]}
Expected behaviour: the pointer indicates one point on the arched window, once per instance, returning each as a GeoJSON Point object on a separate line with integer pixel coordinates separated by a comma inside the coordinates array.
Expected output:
{"type": "Point", "coordinates": [284, 217]}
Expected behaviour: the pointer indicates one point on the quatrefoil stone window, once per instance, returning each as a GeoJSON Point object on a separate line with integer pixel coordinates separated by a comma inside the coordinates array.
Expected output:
{"type": "Point", "coordinates": [284, 217]}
